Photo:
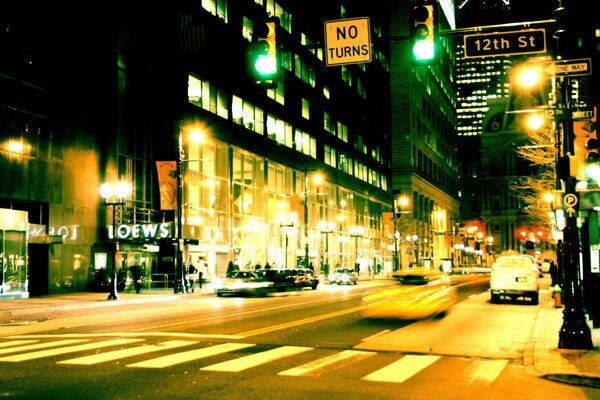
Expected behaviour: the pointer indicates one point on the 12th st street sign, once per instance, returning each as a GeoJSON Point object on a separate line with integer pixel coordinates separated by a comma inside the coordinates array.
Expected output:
{"type": "Point", "coordinates": [505, 43]}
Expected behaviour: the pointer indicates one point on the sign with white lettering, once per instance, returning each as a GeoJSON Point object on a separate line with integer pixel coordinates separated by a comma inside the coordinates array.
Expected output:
{"type": "Point", "coordinates": [505, 43]}
{"type": "Point", "coordinates": [140, 231]}
{"type": "Point", "coordinates": [347, 41]}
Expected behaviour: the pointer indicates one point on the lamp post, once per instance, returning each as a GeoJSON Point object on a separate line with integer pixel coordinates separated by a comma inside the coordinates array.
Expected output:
{"type": "Point", "coordinates": [399, 204]}
{"type": "Point", "coordinates": [286, 226]}
{"type": "Point", "coordinates": [326, 228]}
{"type": "Point", "coordinates": [195, 136]}
{"type": "Point", "coordinates": [356, 232]}
{"type": "Point", "coordinates": [318, 179]}
{"type": "Point", "coordinates": [121, 190]}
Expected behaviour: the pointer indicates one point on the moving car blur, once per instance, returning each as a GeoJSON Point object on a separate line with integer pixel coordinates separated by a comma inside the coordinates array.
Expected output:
{"type": "Point", "coordinates": [415, 295]}
{"type": "Point", "coordinates": [244, 282]}
{"type": "Point", "coordinates": [343, 276]}
{"type": "Point", "coordinates": [259, 282]}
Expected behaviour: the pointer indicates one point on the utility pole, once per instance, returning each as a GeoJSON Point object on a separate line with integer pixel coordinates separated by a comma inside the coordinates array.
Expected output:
{"type": "Point", "coordinates": [574, 332]}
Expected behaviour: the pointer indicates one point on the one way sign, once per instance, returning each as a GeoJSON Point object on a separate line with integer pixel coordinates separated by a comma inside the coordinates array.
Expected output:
{"type": "Point", "coordinates": [581, 66]}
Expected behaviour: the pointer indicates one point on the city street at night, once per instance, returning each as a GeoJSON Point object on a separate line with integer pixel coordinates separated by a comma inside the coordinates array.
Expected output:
{"type": "Point", "coordinates": [284, 345]}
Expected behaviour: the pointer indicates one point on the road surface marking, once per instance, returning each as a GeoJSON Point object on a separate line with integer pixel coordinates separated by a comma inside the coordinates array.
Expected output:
{"type": "Point", "coordinates": [485, 371]}
{"type": "Point", "coordinates": [273, 328]}
{"type": "Point", "coordinates": [16, 343]}
{"type": "Point", "coordinates": [253, 360]}
{"type": "Point", "coordinates": [123, 353]}
{"type": "Point", "coordinates": [41, 345]}
{"type": "Point", "coordinates": [325, 361]}
{"type": "Point", "coordinates": [180, 358]}
{"type": "Point", "coordinates": [66, 350]}
{"type": "Point", "coordinates": [402, 369]}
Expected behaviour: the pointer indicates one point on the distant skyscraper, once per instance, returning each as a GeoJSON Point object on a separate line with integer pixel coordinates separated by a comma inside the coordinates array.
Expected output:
{"type": "Point", "coordinates": [479, 79]}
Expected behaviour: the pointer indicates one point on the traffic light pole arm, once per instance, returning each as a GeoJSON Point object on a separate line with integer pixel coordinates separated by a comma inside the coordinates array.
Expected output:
{"type": "Point", "coordinates": [485, 28]}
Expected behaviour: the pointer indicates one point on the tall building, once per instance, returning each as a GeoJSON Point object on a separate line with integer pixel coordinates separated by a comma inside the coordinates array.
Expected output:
{"type": "Point", "coordinates": [487, 203]}
{"type": "Point", "coordinates": [115, 97]}
{"type": "Point", "coordinates": [424, 163]}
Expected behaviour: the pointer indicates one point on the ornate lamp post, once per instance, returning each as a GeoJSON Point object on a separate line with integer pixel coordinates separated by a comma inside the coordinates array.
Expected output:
{"type": "Point", "coordinates": [356, 232]}
{"type": "Point", "coordinates": [118, 194]}
{"type": "Point", "coordinates": [318, 178]}
{"type": "Point", "coordinates": [326, 228]}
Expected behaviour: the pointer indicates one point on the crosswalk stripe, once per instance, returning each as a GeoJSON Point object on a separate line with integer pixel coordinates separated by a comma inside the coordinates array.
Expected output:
{"type": "Point", "coordinates": [485, 371]}
{"type": "Point", "coordinates": [325, 361]}
{"type": "Point", "coordinates": [402, 369]}
{"type": "Point", "coordinates": [16, 343]}
{"type": "Point", "coordinates": [41, 346]}
{"type": "Point", "coordinates": [254, 360]}
{"type": "Point", "coordinates": [196, 354]}
{"type": "Point", "coordinates": [66, 350]}
{"type": "Point", "coordinates": [123, 353]}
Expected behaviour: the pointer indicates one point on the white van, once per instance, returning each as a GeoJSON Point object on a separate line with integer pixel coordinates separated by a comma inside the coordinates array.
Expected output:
{"type": "Point", "coordinates": [514, 276]}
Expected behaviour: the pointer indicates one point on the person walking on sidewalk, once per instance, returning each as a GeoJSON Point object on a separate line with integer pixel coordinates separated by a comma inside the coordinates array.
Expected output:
{"type": "Point", "coordinates": [191, 276]}
{"type": "Point", "coordinates": [136, 275]}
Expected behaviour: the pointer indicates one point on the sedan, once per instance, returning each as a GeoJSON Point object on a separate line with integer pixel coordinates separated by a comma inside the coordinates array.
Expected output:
{"type": "Point", "coordinates": [245, 282]}
{"type": "Point", "coordinates": [343, 276]}
{"type": "Point", "coordinates": [414, 295]}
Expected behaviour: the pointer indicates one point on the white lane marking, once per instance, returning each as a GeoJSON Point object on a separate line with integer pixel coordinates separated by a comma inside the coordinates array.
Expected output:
{"type": "Point", "coordinates": [129, 352]}
{"type": "Point", "coordinates": [253, 360]}
{"type": "Point", "coordinates": [41, 345]}
{"type": "Point", "coordinates": [66, 350]}
{"type": "Point", "coordinates": [16, 343]}
{"type": "Point", "coordinates": [402, 369]}
{"type": "Point", "coordinates": [485, 371]}
{"type": "Point", "coordinates": [196, 354]}
{"type": "Point", "coordinates": [325, 361]}
{"type": "Point", "coordinates": [130, 334]}
{"type": "Point", "coordinates": [383, 332]}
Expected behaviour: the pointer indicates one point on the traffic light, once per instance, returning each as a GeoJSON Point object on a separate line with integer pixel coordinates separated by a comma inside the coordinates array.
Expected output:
{"type": "Point", "coordinates": [264, 57]}
{"type": "Point", "coordinates": [423, 24]}
{"type": "Point", "coordinates": [587, 147]}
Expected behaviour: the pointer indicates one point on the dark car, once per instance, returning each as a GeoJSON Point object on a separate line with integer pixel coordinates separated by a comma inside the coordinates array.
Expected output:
{"type": "Point", "coordinates": [305, 277]}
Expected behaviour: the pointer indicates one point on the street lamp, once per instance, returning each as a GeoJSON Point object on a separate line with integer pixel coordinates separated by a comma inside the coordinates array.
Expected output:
{"type": "Point", "coordinates": [326, 228]}
{"type": "Point", "coordinates": [356, 232]}
{"type": "Point", "coordinates": [318, 178]}
{"type": "Point", "coordinates": [120, 192]}
{"type": "Point", "coordinates": [286, 223]}
{"type": "Point", "coordinates": [195, 136]}
{"type": "Point", "coordinates": [399, 204]}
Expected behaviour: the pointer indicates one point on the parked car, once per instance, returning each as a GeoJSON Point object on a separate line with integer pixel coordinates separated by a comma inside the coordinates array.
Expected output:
{"type": "Point", "coordinates": [415, 295]}
{"type": "Point", "coordinates": [343, 276]}
{"type": "Point", "coordinates": [514, 276]}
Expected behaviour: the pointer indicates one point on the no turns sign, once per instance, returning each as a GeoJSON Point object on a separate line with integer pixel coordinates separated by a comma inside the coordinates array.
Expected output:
{"type": "Point", "coordinates": [347, 41]}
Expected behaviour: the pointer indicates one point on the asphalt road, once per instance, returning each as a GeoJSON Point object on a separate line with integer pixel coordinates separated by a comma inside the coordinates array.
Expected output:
{"type": "Point", "coordinates": [297, 345]}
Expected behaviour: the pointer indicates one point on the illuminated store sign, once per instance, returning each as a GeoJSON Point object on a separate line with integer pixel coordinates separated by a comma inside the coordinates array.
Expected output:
{"type": "Point", "coordinates": [141, 231]}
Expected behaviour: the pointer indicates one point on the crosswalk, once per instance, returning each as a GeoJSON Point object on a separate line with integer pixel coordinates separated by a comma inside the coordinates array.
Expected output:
{"type": "Point", "coordinates": [239, 357]}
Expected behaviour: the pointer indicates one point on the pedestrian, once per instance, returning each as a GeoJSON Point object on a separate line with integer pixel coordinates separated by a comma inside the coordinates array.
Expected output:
{"type": "Point", "coordinates": [200, 274]}
{"type": "Point", "coordinates": [191, 275]}
{"type": "Point", "coordinates": [230, 267]}
{"type": "Point", "coordinates": [136, 275]}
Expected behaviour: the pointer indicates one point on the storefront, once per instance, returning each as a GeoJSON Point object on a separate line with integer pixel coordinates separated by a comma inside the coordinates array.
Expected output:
{"type": "Point", "coordinates": [13, 254]}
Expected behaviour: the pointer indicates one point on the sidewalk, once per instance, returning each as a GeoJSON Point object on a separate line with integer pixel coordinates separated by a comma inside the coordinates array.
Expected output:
{"type": "Point", "coordinates": [541, 357]}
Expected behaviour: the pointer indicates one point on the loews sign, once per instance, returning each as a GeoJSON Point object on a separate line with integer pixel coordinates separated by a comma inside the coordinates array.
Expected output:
{"type": "Point", "coordinates": [140, 231]}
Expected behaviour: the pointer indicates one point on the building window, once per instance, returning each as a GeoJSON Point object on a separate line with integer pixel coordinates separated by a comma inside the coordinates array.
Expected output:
{"type": "Point", "coordinates": [305, 108]}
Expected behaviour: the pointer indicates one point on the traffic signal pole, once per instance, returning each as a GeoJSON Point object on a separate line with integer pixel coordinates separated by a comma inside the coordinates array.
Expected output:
{"type": "Point", "coordinates": [574, 332]}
